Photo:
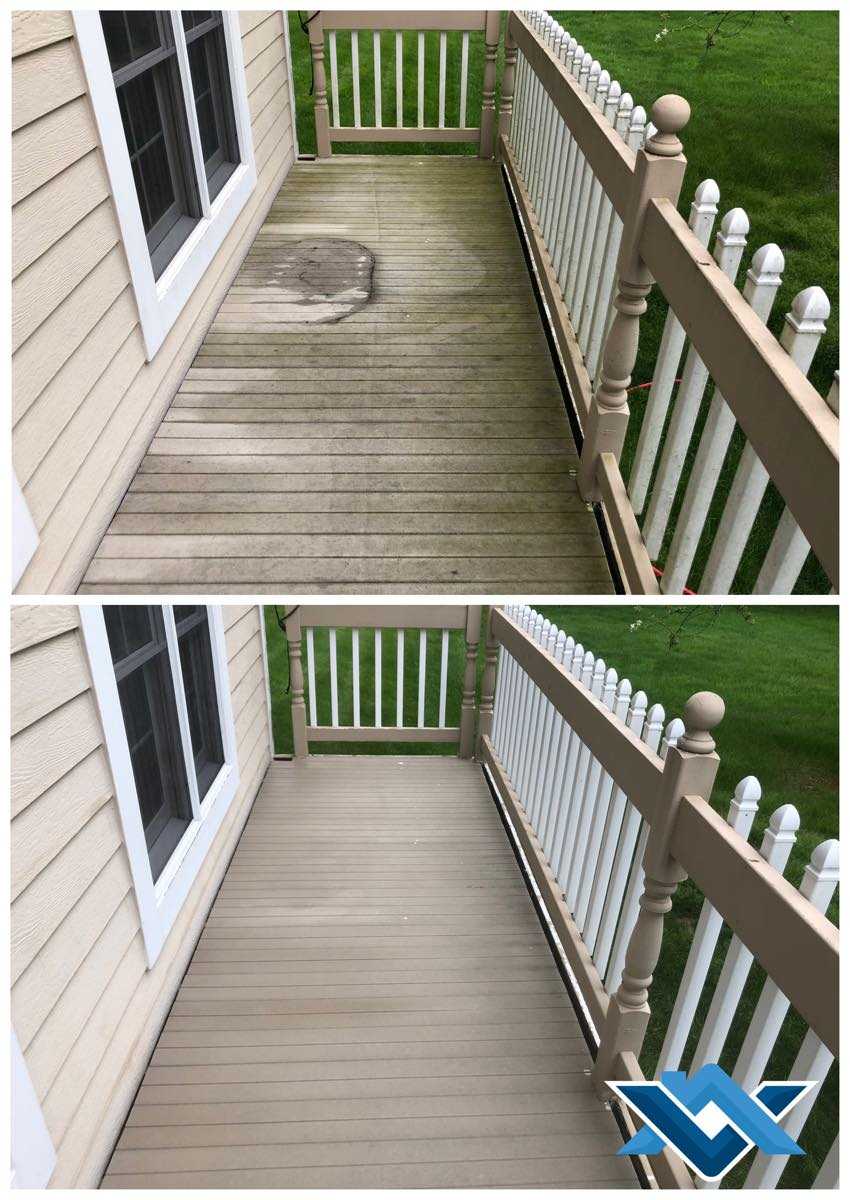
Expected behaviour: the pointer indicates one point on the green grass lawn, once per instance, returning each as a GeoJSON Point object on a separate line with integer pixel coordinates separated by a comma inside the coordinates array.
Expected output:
{"type": "Point", "coordinates": [777, 670]}
{"type": "Point", "coordinates": [764, 125]}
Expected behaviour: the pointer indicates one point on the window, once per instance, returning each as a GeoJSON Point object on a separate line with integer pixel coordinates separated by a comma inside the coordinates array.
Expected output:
{"type": "Point", "coordinates": [160, 675]}
{"type": "Point", "coordinates": [168, 90]}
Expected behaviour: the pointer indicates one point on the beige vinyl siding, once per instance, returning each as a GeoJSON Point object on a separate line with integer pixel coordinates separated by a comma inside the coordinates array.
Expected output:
{"type": "Point", "coordinates": [85, 1007]}
{"type": "Point", "coordinates": [85, 403]}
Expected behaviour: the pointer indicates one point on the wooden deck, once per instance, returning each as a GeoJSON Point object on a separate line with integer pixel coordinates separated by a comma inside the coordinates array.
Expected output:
{"type": "Point", "coordinates": [372, 1003]}
{"type": "Point", "coordinates": [419, 444]}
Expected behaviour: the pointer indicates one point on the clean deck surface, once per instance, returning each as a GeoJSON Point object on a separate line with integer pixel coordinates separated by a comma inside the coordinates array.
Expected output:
{"type": "Point", "coordinates": [372, 1003]}
{"type": "Point", "coordinates": [419, 444]}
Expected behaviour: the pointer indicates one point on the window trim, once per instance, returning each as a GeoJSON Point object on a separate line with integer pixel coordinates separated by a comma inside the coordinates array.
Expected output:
{"type": "Point", "coordinates": [33, 1153]}
{"type": "Point", "coordinates": [160, 301]}
{"type": "Point", "coordinates": [160, 903]}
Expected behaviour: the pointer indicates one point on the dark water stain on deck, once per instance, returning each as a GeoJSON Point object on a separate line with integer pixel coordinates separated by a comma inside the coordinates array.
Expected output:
{"type": "Point", "coordinates": [321, 280]}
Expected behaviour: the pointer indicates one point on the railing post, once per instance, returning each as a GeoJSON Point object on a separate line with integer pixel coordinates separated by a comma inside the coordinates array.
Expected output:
{"type": "Point", "coordinates": [296, 686]}
{"type": "Point", "coordinates": [467, 708]}
{"type": "Point", "coordinates": [506, 99]}
{"type": "Point", "coordinates": [659, 171]}
{"type": "Point", "coordinates": [320, 87]}
{"type": "Point", "coordinates": [492, 27]}
{"type": "Point", "coordinates": [690, 768]}
{"type": "Point", "coordinates": [488, 684]}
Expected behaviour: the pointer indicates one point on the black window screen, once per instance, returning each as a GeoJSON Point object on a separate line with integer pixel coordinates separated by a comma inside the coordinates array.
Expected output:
{"type": "Point", "coordinates": [146, 690]}
{"type": "Point", "coordinates": [196, 663]}
{"type": "Point", "coordinates": [213, 101]}
{"type": "Point", "coordinates": [146, 76]}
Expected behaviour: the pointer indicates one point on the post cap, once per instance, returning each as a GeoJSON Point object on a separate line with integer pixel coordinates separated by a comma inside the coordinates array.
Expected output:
{"type": "Point", "coordinates": [702, 713]}
{"type": "Point", "coordinates": [670, 114]}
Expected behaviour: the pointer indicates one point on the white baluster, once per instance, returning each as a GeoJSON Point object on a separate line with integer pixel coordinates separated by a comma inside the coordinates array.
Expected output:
{"type": "Point", "coordinates": [701, 221]}
{"type": "Point", "coordinates": [598, 793]}
{"type": "Point", "coordinates": [542, 199]}
{"type": "Point", "coordinates": [728, 251]}
{"type": "Point", "coordinates": [520, 732]}
{"type": "Point", "coordinates": [583, 672]}
{"type": "Point", "coordinates": [535, 715]}
{"type": "Point", "coordinates": [334, 79]}
{"type": "Point", "coordinates": [420, 80]}
{"type": "Point", "coordinates": [562, 796]}
{"type": "Point", "coordinates": [555, 648]}
{"type": "Point", "coordinates": [441, 100]}
{"type": "Point", "coordinates": [804, 327]}
{"type": "Point", "coordinates": [334, 688]}
{"type": "Point", "coordinates": [760, 288]}
{"type": "Point", "coordinates": [742, 812]}
{"type": "Point", "coordinates": [355, 76]}
{"type": "Point", "coordinates": [555, 734]}
{"type": "Point", "coordinates": [827, 1176]}
{"type": "Point", "coordinates": [311, 676]}
{"type": "Point", "coordinates": [776, 846]}
{"type": "Point", "coordinates": [376, 56]}
{"type": "Point", "coordinates": [399, 80]}
{"type": "Point", "coordinates": [420, 711]}
{"type": "Point", "coordinates": [399, 679]}
{"type": "Point", "coordinates": [602, 228]}
{"type": "Point", "coordinates": [464, 75]}
{"type": "Point", "coordinates": [591, 230]}
{"type": "Point", "coordinates": [444, 673]}
{"type": "Point", "coordinates": [355, 675]}
{"type": "Point", "coordinates": [581, 71]}
{"type": "Point", "coordinates": [575, 843]}
{"type": "Point", "coordinates": [560, 155]}
{"type": "Point", "coordinates": [577, 231]}
{"type": "Point", "coordinates": [377, 679]}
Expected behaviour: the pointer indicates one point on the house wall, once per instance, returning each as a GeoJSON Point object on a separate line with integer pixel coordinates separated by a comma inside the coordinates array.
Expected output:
{"type": "Point", "coordinates": [85, 1006]}
{"type": "Point", "coordinates": [86, 404]}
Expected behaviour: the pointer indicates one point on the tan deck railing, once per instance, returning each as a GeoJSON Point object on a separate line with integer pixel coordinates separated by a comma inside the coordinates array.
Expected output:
{"type": "Point", "coordinates": [329, 121]}
{"type": "Point", "coordinates": [597, 190]}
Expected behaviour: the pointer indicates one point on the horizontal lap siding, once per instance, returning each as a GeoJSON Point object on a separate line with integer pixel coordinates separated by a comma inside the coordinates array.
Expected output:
{"type": "Point", "coordinates": [85, 1007]}
{"type": "Point", "coordinates": [85, 402]}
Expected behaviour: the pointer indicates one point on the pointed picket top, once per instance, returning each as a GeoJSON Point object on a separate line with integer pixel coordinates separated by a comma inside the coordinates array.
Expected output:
{"type": "Point", "coordinates": [730, 242]}
{"type": "Point", "coordinates": [612, 102]}
{"type": "Point", "coordinates": [673, 732]}
{"type": "Point", "coordinates": [744, 805]}
{"type": "Point", "coordinates": [622, 701]}
{"type": "Point", "coordinates": [549, 638]}
{"type": "Point", "coordinates": [584, 72]}
{"type": "Point", "coordinates": [541, 630]}
{"type": "Point", "coordinates": [654, 728]}
{"type": "Point", "coordinates": [638, 128]}
{"type": "Point", "coordinates": [832, 394]}
{"type": "Point", "coordinates": [637, 712]}
{"type": "Point", "coordinates": [578, 660]}
{"type": "Point", "coordinates": [820, 878]}
{"type": "Point", "coordinates": [704, 208]}
{"type": "Point", "coordinates": [609, 688]}
{"type": "Point", "coordinates": [570, 53]}
{"type": "Point", "coordinates": [593, 76]}
{"type": "Point", "coordinates": [602, 87]}
{"type": "Point", "coordinates": [598, 680]}
{"type": "Point", "coordinates": [767, 265]}
{"type": "Point", "coordinates": [578, 59]}
{"type": "Point", "coordinates": [560, 647]}
{"type": "Point", "coordinates": [805, 325]}
{"type": "Point", "coordinates": [778, 839]}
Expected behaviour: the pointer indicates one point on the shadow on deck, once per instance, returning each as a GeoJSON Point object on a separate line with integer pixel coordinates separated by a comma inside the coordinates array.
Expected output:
{"type": "Point", "coordinates": [372, 1003]}
{"type": "Point", "coordinates": [419, 443]}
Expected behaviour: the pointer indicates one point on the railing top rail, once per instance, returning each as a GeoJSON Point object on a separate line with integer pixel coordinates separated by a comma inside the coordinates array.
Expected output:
{"type": "Point", "coordinates": [388, 616]}
{"type": "Point", "coordinates": [400, 20]}
{"type": "Point", "coordinates": [613, 161]}
{"type": "Point", "coordinates": [630, 762]}
{"type": "Point", "coordinates": [792, 428]}
{"type": "Point", "coordinates": [795, 944]}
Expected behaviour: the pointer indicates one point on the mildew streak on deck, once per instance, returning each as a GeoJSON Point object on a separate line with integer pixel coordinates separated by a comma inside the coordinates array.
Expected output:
{"type": "Point", "coordinates": [372, 1003]}
{"type": "Point", "coordinates": [418, 444]}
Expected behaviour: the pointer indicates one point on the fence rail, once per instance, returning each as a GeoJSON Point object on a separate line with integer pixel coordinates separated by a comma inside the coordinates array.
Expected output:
{"type": "Point", "coordinates": [597, 188]}
{"type": "Point", "coordinates": [367, 627]}
{"type": "Point", "coordinates": [609, 801]}
{"type": "Point", "coordinates": [329, 124]}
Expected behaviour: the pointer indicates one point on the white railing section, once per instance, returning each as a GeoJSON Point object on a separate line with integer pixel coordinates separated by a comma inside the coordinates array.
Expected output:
{"type": "Point", "coordinates": [592, 837]}
{"type": "Point", "coordinates": [581, 231]}
{"type": "Point", "coordinates": [593, 840]}
{"type": "Point", "coordinates": [329, 651]}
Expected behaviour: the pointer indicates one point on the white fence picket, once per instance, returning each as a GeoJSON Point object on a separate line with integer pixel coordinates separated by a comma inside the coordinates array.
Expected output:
{"type": "Point", "coordinates": [728, 251]}
{"type": "Point", "coordinates": [334, 682]}
{"type": "Point", "coordinates": [600, 789]}
{"type": "Point", "coordinates": [701, 221]}
{"type": "Point", "coordinates": [742, 813]}
{"type": "Point", "coordinates": [441, 101]}
{"type": "Point", "coordinates": [444, 671]}
{"type": "Point", "coordinates": [420, 81]}
{"type": "Point", "coordinates": [399, 679]}
{"type": "Point", "coordinates": [804, 327]}
{"type": "Point", "coordinates": [355, 77]}
{"type": "Point", "coordinates": [311, 676]}
{"type": "Point", "coordinates": [760, 288]}
{"type": "Point", "coordinates": [355, 675]}
{"type": "Point", "coordinates": [376, 68]}
{"type": "Point", "coordinates": [464, 77]}
{"type": "Point", "coordinates": [420, 706]}
{"type": "Point", "coordinates": [378, 713]}
{"type": "Point", "coordinates": [334, 79]}
{"type": "Point", "coordinates": [776, 846]}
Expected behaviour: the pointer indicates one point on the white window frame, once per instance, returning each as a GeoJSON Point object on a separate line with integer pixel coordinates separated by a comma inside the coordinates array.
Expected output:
{"type": "Point", "coordinates": [32, 1152]}
{"type": "Point", "coordinates": [160, 902]}
{"type": "Point", "coordinates": [160, 301]}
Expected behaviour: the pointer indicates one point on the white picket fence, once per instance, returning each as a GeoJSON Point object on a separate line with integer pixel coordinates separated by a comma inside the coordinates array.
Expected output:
{"type": "Point", "coordinates": [593, 839]}
{"type": "Point", "coordinates": [582, 233]}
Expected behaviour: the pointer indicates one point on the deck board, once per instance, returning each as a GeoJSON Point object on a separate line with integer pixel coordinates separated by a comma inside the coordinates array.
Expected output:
{"type": "Point", "coordinates": [372, 1003]}
{"type": "Point", "coordinates": [419, 444]}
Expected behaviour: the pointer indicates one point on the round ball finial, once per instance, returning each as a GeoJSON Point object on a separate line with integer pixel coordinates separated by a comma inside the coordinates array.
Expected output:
{"type": "Point", "coordinates": [670, 114]}
{"type": "Point", "coordinates": [702, 713]}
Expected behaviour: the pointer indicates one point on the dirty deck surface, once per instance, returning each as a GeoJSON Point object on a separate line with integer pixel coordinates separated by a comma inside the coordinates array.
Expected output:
{"type": "Point", "coordinates": [418, 443]}
{"type": "Point", "coordinates": [372, 1003]}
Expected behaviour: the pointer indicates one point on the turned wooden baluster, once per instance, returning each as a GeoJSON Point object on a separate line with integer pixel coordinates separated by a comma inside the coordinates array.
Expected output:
{"type": "Point", "coordinates": [296, 686]}
{"type": "Point", "coordinates": [467, 708]}
{"type": "Point", "coordinates": [690, 768]}
{"type": "Point", "coordinates": [488, 685]}
{"type": "Point", "coordinates": [488, 94]}
{"type": "Point", "coordinates": [506, 100]}
{"type": "Point", "coordinates": [659, 171]}
{"type": "Point", "coordinates": [320, 87]}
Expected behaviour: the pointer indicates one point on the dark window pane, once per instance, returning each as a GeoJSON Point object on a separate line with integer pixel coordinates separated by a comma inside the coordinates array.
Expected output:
{"type": "Point", "coordinates": [214, 107]}
{"type": "Point", "coordinates": [130, 36]}
{"type": "Point", "coordinates": [146, 691]}
{"type": "Point", "coordinates": [193, 18]}
{"type": "Point", "coordinates": [193, 636]}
